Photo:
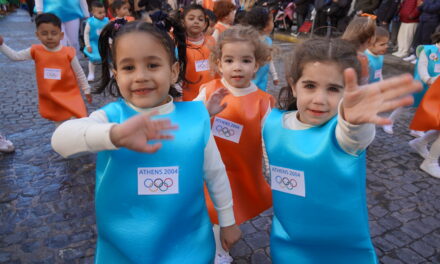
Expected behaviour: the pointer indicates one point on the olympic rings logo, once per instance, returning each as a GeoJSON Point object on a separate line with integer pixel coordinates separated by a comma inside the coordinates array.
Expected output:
{"type": "Point", "coordinates": [225, 131]}
{"type": "Point", "coordinates": [158, 184]}
{"type": "Point", "coordinates": [284, 182]}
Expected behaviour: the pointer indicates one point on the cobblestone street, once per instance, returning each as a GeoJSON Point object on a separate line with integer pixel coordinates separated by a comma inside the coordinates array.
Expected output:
{"type": "Point", "coordinates": [47, 202]}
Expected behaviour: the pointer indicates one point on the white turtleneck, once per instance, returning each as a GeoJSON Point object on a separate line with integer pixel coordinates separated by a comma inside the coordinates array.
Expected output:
{"type": "Point", "coordinates": [26, 55]}
{"type": "Point", "coordinates": [92, 134]}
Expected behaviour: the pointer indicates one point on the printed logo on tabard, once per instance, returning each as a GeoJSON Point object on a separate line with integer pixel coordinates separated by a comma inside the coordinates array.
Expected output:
{"type": "Point", "coordinates": [378, 74]}
{"type": "Point", "coordinates": [226, 129]}
{"type": "Point", "coordinates": [52, 74]}
{"type": "Point", "coordinates": [287, 181]}
{"type": "Point", "coordinates": [158, 180]}
{"type": "Point", "coordinates": [437, 68]}
{"type": "Point", "coordinates": [202, 65]}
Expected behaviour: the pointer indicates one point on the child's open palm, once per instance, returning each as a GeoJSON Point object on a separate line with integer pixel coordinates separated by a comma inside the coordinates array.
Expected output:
{"type": "Point", "coordinates": [363, 104]}
{"type": "Point", "coordinates": [214, 102]}
{"type": "Point", "coordinates": [135, 133]}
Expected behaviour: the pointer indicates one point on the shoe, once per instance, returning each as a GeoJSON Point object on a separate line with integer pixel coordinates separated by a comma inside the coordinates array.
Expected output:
{"type": "Point", "coordinates": [431, 168]}
{"type": "Point", "coordinates": [416, 133]}
{"type": "Point", "coordinates": [414, 61]}
{"type": "Point", "coordinates": [388, 129]}
{"type": "Point", "coordinates": [91, 77]}
{"type": "Point", "coordinates": [6, 146]}
{"type": "Point", "coordinates": [396, 54]}
{"type": "Point", "coordinates": [410, 57]}
{"type": "Point", "coordinates": [223, 258]}
{"type": "Point", "coordinates": [418, 146]}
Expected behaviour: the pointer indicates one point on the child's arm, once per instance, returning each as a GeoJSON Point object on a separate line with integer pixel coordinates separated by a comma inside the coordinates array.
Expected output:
{"type": "Point", "coordinates": [273, 72]}
{"type": "Point", "coordinates": [85, 8]}
{"type": "Point", "coordinates": [220, 192]}
{"type": "Point", "coordinates": [95, 133]}
{"type": "Point", "coordinates": [14, 55]}
{"type": "Point", "coordinates": [39, 6]}
{"type": "Point", "coordinates": [87, 37]}
{"type": "Point", "coordinates": [422, 68]}
{"type": "Point", "coordinates": [81, 78]}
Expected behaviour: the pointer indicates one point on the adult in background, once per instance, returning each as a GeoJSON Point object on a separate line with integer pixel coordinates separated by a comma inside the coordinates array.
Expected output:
{"type": "Point", "coordinates": [409, 18]}
{"type": "Point", "coordinates": [69, 12]}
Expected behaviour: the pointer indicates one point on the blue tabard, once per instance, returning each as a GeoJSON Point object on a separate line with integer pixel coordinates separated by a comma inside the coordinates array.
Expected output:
{"type": "Point", "coordinates": [375, 65]}
{"type": "Point", "coordinates": [96, 26]}
{"type": "Point", "coordinates": [329, 223]}
{"type": "Point", "coordinates": [66, 10]}
{"type": "Point", "coordinates": [429, 49]}
{"type": "Point", "coordinates": [162, 228]}
{"type": "Point", "coordinates": [262, 75]}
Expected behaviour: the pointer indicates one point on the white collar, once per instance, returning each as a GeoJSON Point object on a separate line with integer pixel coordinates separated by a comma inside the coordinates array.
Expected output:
{"type": "Point", "coordinates": [164, 109]}
{"type": "Point", "coordinates": [239, 91]}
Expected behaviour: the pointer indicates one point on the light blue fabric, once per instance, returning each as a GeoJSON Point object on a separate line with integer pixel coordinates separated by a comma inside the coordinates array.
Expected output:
{"type": "Point", "coordinates": [66, 10]}
{"type": "Point", "coordinates": [375, 64]}
{"type": "Point", "coordinates": [96, 26]}
{"type": "Point", "coordinates": [167, 228]}
{"type": "Point", "coordinates": [429, 49]}
{"type": "Point", "coordinates": [329, 224]}
{"type": "Point", "coordinates": [262, 75]}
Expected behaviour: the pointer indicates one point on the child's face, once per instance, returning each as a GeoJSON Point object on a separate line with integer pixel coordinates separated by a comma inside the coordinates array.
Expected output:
{"type": "Point", "coordinates": [143, 70]}
{"type": "Point", "coordinates": [123, 11]}
{"type": "Point", "coordinates": [318, 92]}
{"type": "Point", "coordinates": [380, 46]}
{"type": "Point", "coordinates": [237, 63]}
{"type": "Point", "coordinates": [194, 23]}
{"type": "Point", "coordinates": [98, 12]}
{"type": "Point", "coordinates": [269, 27]}
{"type": "Point", "coordinates": [49, 35]}
{"type": "Point", "coordinates": [229, 19]}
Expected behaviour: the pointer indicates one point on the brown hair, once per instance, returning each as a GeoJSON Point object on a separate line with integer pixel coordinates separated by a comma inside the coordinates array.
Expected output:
{"type": "Point", "coordinates": [222, 8]}
{"type": "Point", "coordinates": [338, 51]}
{"type": "Point", "coordinates": [360, 30]}
{"type": "Point", "coordinates": [382, 32]}
{"type": "Point", "coordinates": [435, 37]}
{"type": "Point", "coordinates": [241, 33]}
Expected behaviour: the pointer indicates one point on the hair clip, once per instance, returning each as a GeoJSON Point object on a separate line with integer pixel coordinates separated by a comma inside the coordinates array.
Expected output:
{"type": "Point", "coordinates": [118, 23]}
{"type": "Point", "coordinates": [369, 15]}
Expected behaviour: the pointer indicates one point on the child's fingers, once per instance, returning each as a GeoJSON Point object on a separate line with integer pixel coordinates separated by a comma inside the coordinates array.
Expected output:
{"type": "Point", "coordinates": [151, 148]}
{"type": "Point", "coordinates": [398, 86]}
{"type": "Point", "coordinates": [380, 121]}
{"type": "Point", "coordinates": [225, 245]}
{"type": "Point", "coordinates": [350, 80]}
{"type": "Point", "coordinates": [393, 104]}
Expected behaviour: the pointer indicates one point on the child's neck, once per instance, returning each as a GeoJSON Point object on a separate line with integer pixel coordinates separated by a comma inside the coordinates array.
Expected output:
{"type": "Point", "coordinates": [197, 38]}
{"type": "Point", "coordinates": [239, 91]}
{"type": "Point", "coordinates": [224, 22]}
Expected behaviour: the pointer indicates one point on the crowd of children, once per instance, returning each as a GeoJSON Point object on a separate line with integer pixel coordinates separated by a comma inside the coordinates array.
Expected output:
{"type": "Point", "coordinates": [184, 149]}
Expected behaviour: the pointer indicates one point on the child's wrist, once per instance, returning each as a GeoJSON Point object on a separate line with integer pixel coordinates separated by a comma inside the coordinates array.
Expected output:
{"type": "Point", "coordinates": [114, 135]}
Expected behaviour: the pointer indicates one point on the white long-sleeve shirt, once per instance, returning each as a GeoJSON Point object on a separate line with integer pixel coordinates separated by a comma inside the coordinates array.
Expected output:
{"type": "Point", "coordinates": [26, 55]}
{"type": "Point", "coordinates": [39, 6]}
{"type": "Point", "coordinates": [422, 67]}
{"type": "Point", "coordinates": [92, 134]}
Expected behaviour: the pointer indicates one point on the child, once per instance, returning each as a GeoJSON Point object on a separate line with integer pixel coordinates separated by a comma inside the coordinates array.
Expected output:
{"type": "Point", "coordinates": [224, 10]}
{"type": "Point", "coordinates": [92, 31]}
{"type": "Point", "coordinates": [375, 54]}
{"type": "Point", "coordinates": [317, 155]}
{"type": "Point", "coordinates": [121, 9]}
{"type": "Point", "coordinates": [57, 70]}
{"type": "Point", "coordinates": [197, 51]}
{"type": "Point", "coordinates": [69, 12]}
{"type": "Point", "coordinates": [212, 21]}
{"type": "Point", "coordinates": [237, 129]}
{"type": "Point", "coordinates": [360, 32]}
{"type": "Point", "coordinates": [262, 20]}
{"type": "Point", "coordinates": [149, 202]}
{"type": "Point", "coordinates": [426, 116]}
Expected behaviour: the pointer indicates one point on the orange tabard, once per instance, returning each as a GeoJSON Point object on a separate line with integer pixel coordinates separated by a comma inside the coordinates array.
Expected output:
{"type": "Point", "coordinates": [427, 115]}
{"type": "Point", "coordinates": [197, 67]}
{"type": "Point", "coordinates": [58, 92]}
{"type": "Point", "coordinates": [220, 27]}
{"type": "Point", "coordinates": [208, 4]}
{"type": "Point", "coordinates": [244, 166]}
{"type": "Point", "coordinates": [128, 18]}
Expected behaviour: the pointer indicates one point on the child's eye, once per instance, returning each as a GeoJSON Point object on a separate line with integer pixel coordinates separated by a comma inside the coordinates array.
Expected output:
{"type": "Point", "coordinates": [128, 68]}
{"type": "Point", "coordinates": [334, 89]}
{"type": "Point", "coordinates": [309, 86]}
{"type": "Point", "coordinates": [153, 65]}
{"type": "Point", "coordinates": [228, 61]}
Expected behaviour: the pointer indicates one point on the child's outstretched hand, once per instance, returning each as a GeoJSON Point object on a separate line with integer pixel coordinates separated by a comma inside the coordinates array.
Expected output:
{"type": "Point", "coordinates": [229, 235]}
{"type": "Point", "coordinates": [138, 130]}
{"type": "Point", "coordinates": [213, 104]}
{"type": "Point", "coordinates": [363, 104]}
{"type": "Point", "coordinates": [276, 82]}
{"type": "Point", "coordinates": [89, 49]}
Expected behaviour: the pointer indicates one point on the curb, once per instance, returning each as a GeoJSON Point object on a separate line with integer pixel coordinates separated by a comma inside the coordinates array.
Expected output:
{"type": "Point", "coordinates": [285, 37]}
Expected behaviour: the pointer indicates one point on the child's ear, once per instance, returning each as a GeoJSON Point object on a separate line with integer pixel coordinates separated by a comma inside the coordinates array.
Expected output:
{"type": "Point", "coordinates": [61, 35]}
{"type": "Point", "coordinates": [219, 66]}
{"type": "Point", "coordinates": [292, 86]}
{"type": "Point", "coordinates": [175, 72]}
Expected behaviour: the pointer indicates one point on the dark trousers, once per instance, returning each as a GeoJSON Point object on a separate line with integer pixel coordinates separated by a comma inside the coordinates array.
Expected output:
{"type": "Point", "coordinates": [30, 5]}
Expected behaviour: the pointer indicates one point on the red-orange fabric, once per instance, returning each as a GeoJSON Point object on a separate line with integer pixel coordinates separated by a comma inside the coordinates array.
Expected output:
{"type": "Point", "coordinates": [128, 18]}
{"type": "Point", "coordinates": [427, 115]}
{"type": "Point", "coordinates": [59, 100]}
{"type": "Point", "coordinates": [220, 27]}
{"type": "Point", "coordinates": [250, 191]}
{"type": "Point", "coordinates": [196, 53]}
{"type": "Point", "coordinates": [208, 4]}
